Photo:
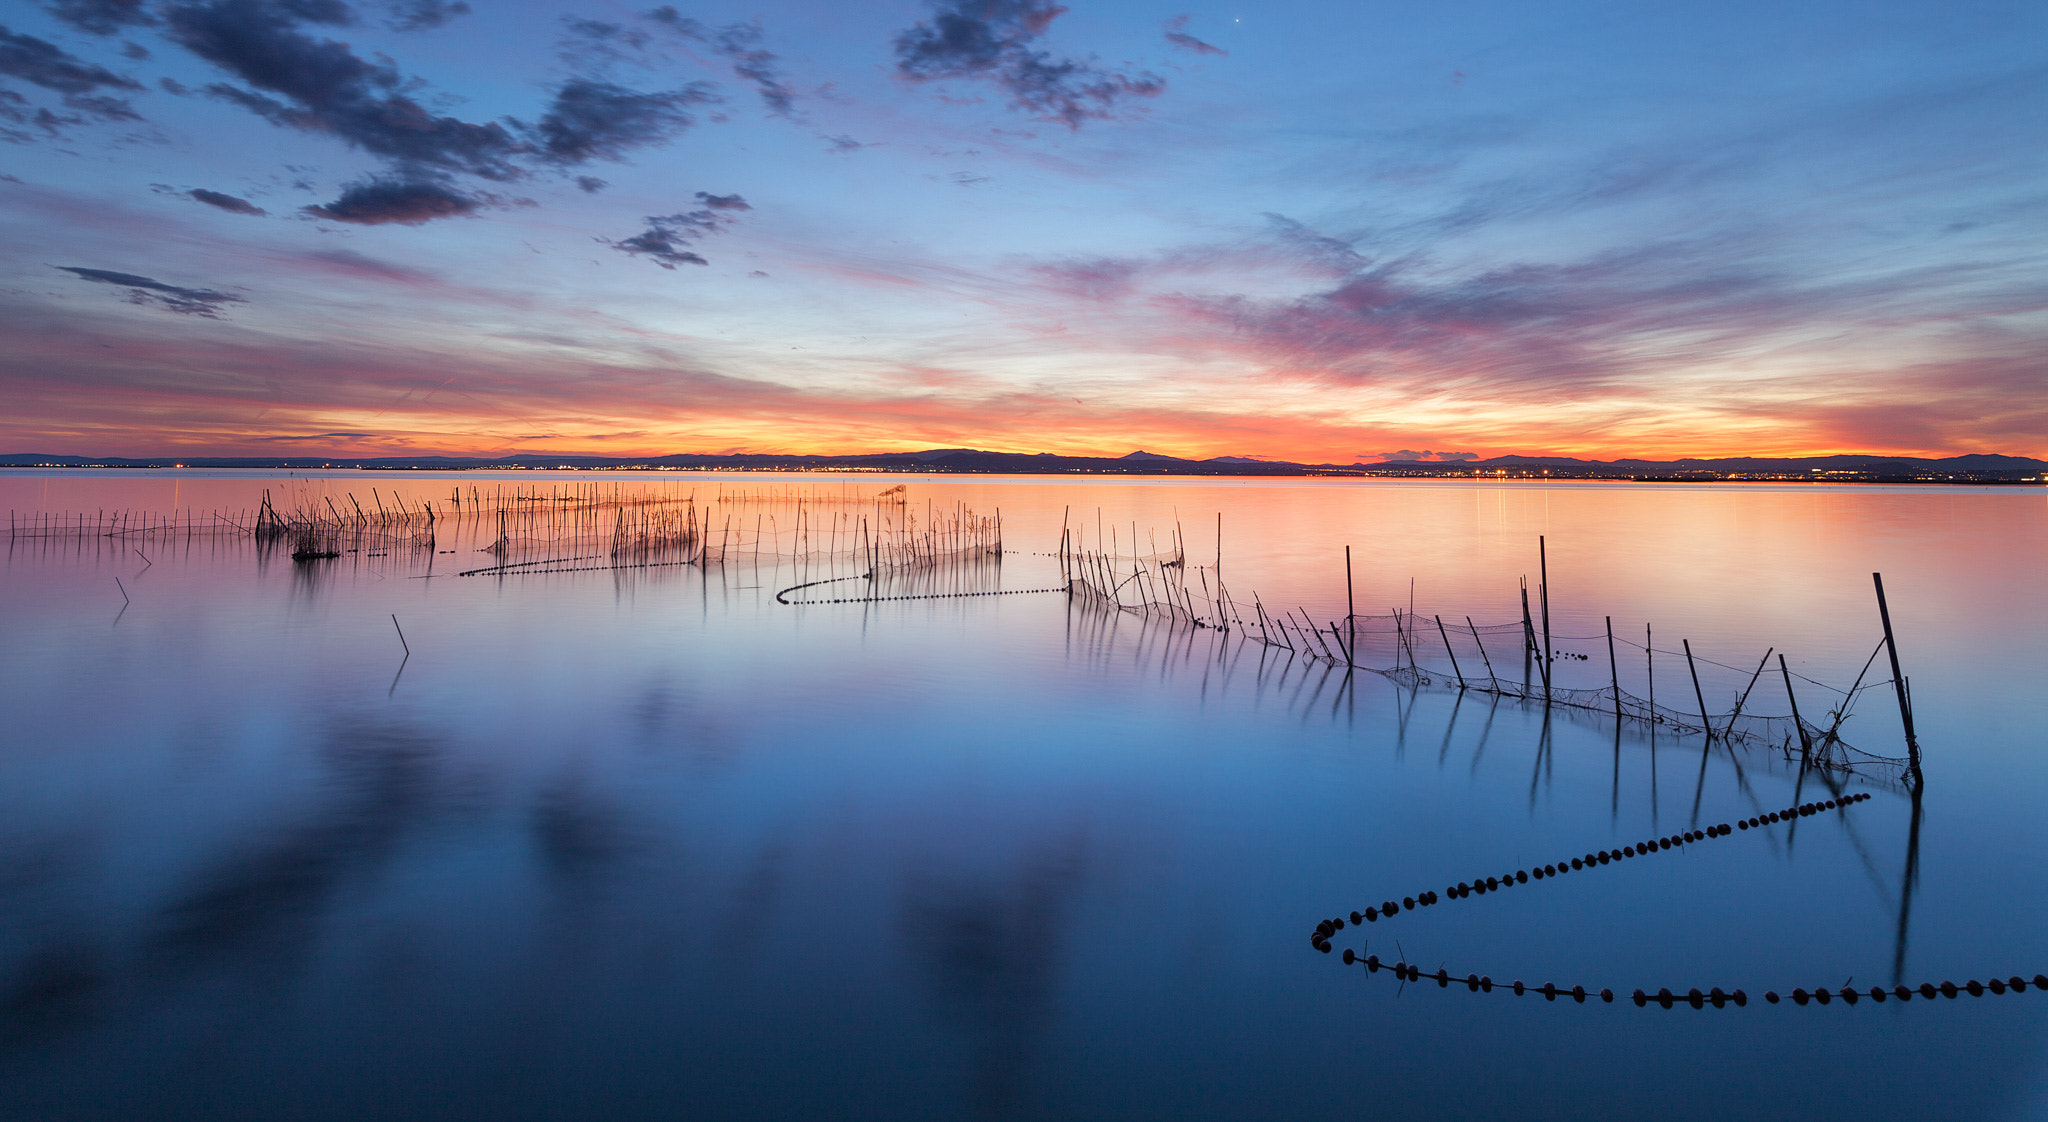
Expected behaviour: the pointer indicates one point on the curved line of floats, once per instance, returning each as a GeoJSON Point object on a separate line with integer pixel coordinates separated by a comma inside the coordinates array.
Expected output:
{"type": "Point", "coordinates": [509, 572]}
{"type": "Point", "coordinates": [781, 597]}
{"type": "Point", "coordinates": [1479, 983]}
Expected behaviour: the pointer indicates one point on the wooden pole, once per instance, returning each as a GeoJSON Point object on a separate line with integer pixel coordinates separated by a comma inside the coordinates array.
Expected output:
{"type": "Point", "coordinates": [1696, 690]}
{"type": "Point", "coordinates": [1447, 650]}
{"type": "Point", "coordinates": [1350, 609]}
{"type": "Point", "coordinates": [1529, 637]}
{"type": "Point", "coordinates": [1481, 644]}
{"type": "Point", "coordinates": [1543, 595]}
{"type": "Point", "coordinates": [1891, 646]}
{"type": "Point", "coordinates": [1339, 637]}
{"type": "Point", "coordinates": [1744, 699]}
{"type": "Point", "coordinates": [1650, 670]}
{"type": "Point", "coordinates": [1613, 669]}
{"type": "Point", "coordinates": [1805, 741]}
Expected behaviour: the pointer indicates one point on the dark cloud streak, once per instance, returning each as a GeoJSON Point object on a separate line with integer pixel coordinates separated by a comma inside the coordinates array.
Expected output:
{"type": "Point", "coordinates": [741, 42]}
{"type": "Point", "coordinates": [150, 292]}
{"type": "Point", "coordinates": [228, 203]}
{"type": "Point", "coordinates": [380, 202]}
{"type": "Point", "coordinates": [590, 120]}
{"type": "Point", "coordinates": [668, 237]}
{"type": "Point", "coordinates": [49, 66]}
{"type": "Point", "coordinates": [101, 17]}
{"type": "Point", "coordinates": [327, 88]}
{"type": "Point", "coordinates": [424, 15]}
{"type": "Point", "coordinates": [992, 40]}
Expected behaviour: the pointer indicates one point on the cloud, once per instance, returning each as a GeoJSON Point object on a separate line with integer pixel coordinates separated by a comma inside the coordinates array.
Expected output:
{"type": "Point", "coordinates": [1408, 456]}
{"type": "Point", "coordinates": [1176, 34]}
{"type": "Point", "coordinates": [675, 21]}
{"type": "Point", "coordinates": [150, 292]}
{"type": "Point", "coordinates": [591, 119]}
{"type": "Point", "coordinates": [593, 46]}
{"type": "Point", "coordinates": [1099, 279]}
{"type": "Point", "coordinates": [667, 239]}
{"type": "Point", "coordinates": [723, 202]}
{"type": "Point", "coordinates": [991, 40]}
{"type": "Point", "coordinates": [741, 42]}
{"type": "Point", "coordinates": [423, 15]}
{"type": "Point", "coordinates": [53, 68]}
{"type": "Point", "coordinates": [350, 263]}
{"type": "Point", "coordinates": [590, 184]}
{"type": "Point", "coordinates": [17, 110]}
{"type": "Point", "coordinates": [326, 88]}
{"type": "Point", "coordinates": [227, 203]}
{"type": "Point", "coordinates": [101, 17]}
{"type": "Point", "coordinates": [379, 202]}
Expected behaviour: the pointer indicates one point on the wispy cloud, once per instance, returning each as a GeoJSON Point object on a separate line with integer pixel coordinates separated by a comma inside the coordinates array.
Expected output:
{"type": "Point", "coordinates": [994, 41]}
{"type": "Point", "coordinates": [228, 203]}
{"type": "Point", "coordinates": [667, 238]}
{"type": "Point", "coordinates": [82, 84]}
{"type": "Point", "coordinates": [591, 120]}
{"type": "Point", "coordinates": [151, 292]}
{"type": "Point", "coordinates": [741, 44]}
{"type": "Point", "coordinates": [1177, 34]}
{"type": "Point", "coordinates": [423, 15]}
{"type": "Point", "coordinates": [102, 17]}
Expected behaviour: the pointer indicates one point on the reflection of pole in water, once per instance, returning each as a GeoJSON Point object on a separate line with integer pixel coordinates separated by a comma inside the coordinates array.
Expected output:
{"type": "Point", "coordinates": [1401, 723]}
{"type": "Point", "coordinates": [1492, 707]}
{"type": "Point", "coordinates": [1614, 801]}
{"type": "Point", "coordinates": [1907, 886]}
{"type": "Point", "coordinates": [1700, 789]}
{"type": "Point", "coordinates": [1654, 808]}
{"type": "Point", "coordinates": [1444, 751]}
{"type": "Point", "coordinates": [1792, 829]}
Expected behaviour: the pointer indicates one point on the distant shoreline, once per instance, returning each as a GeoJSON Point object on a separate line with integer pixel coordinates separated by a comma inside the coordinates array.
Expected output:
{"type": "Point", "coordinates": [1970, 469]}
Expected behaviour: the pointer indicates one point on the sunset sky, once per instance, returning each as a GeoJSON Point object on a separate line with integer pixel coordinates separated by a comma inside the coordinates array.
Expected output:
{"type": "Point", "coordinates": [1315, 231]}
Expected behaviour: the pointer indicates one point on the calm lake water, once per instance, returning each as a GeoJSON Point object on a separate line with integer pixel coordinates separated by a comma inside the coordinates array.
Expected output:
{"type": "Point", "coordinates": [647, 843]}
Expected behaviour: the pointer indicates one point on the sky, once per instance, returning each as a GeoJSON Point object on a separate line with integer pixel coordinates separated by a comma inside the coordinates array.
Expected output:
{"type": "Point", "coordinates": [1322, 232]}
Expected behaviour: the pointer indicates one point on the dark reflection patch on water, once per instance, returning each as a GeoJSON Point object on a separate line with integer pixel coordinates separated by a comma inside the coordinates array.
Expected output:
{"type": "Point", "coordinates": [990, 946]}
{"type": "Point", "coordinates": [270, 895]}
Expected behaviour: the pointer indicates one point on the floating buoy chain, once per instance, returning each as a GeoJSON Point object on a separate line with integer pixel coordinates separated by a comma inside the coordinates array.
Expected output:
{"type": "Point", "coordinates": [510, 572]}
{"type": "Point", "coordinates": [1483, 885]}
{"type": "Point", "coordinates": [1664, 998]}
{"type": "Point", "coordinates": [919, 596]}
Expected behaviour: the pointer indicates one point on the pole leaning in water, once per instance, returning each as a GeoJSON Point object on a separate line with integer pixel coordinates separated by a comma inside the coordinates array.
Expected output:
{"type": "Point", "coordinates": [1891, 647]}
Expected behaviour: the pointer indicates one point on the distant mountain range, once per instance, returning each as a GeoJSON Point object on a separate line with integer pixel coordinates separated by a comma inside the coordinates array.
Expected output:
{"type": "Point", "coordinates": [1859, 468]}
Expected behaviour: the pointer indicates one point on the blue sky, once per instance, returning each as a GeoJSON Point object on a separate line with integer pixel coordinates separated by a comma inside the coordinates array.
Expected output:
{"type": "Point", "coordinates": [1305, 231]}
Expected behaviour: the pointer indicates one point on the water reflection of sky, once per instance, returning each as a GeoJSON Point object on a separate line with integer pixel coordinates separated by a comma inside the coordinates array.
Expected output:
{"type": "Point", "coordinates": [631, 844]}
